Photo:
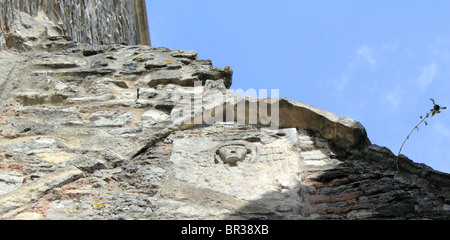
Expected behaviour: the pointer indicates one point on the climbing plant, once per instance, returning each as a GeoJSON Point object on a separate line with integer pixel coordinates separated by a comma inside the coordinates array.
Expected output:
{"type": "Point", "coordinates": [435, 110]}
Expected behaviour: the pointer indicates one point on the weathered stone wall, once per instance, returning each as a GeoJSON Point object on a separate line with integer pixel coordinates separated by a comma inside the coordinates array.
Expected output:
{"type": "Point", "coordinates": [95, 132]}
{"type": "Point", "coordinates": [86, 21]}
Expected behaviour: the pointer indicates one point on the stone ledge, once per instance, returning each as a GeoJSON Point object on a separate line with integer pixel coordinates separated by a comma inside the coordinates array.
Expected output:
{"type": "Point", "coordinates": [344, 133]}
{"type": "Point", "coordinates": [18, 200]}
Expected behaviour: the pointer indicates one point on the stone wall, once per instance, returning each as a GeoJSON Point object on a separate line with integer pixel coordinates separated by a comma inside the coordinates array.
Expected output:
{"type": "Point", "coordinates": [91, 21]}
{"type": "Point", "coordinates": [95, 132]}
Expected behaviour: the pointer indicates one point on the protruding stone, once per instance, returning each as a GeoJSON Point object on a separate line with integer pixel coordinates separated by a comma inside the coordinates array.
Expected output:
{"type": "Point", "coordinates": [110, 119]}
{"type": "Point", "coordinates": [35, 98]}
{"type": "Point", "coordinates": [20, 198]}
{"type": "Point", "coordinates": [155, 115]}
{"type": "Point", "coordinates": [10, 181]}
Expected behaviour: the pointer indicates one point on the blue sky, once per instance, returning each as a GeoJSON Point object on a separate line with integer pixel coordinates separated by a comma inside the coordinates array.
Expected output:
{"type": "Point", "coordinates": [378, 62]}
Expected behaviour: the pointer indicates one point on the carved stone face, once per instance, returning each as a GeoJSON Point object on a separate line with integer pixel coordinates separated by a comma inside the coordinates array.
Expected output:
{"type": "Point", "coordinates": [232, 154]}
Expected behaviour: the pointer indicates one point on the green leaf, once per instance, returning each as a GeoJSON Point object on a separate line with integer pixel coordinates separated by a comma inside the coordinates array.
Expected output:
{"type": "Point", "coordinates": [443, 107]}
{"type": "Point", "coordinates": [426, 124]}
{"type": "Point", "coordinates": [432, 101]}
{"type": "Point", "coordinates": [433, 113]}
{"type": "Point", "coordinates": [428, 114]}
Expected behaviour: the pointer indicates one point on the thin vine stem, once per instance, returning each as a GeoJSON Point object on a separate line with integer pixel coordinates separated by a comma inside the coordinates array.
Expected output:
{"type": "Point", "coordinates": [398, 155]}
{"type": "Point", "coordinates": [435, 110]}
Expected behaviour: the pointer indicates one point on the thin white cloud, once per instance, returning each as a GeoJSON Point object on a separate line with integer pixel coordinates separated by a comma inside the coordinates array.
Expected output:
{"type": "Point", "coordinates": [427, 75]}
{"type": "Point", "coordinates": [393, 98]}
{"type": "Point", "coordinates": [364, 55]}
{"type": "Point", "coordinates": [344, 78]}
